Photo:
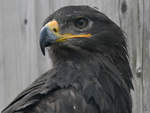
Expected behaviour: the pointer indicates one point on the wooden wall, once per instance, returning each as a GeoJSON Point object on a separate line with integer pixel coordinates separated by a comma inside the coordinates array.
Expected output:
{"type": "Point", "coordinates": [21, 60]}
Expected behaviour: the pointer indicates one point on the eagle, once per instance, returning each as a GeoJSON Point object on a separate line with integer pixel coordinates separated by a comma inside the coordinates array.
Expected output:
{"type": "Point", "coordinates": [90, 72]}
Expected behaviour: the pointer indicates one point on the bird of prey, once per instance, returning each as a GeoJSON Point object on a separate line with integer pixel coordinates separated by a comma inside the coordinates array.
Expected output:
{"type": "Point", "coordinates": [91, 72]}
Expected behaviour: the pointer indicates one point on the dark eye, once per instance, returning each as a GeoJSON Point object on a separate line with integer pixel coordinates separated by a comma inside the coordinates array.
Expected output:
{"type": "Point", "coordinates": [81, 23]}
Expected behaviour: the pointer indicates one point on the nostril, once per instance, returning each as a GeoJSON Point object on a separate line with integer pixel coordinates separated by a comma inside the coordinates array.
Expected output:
{"type": "Point", "coordinates": [54, 29]}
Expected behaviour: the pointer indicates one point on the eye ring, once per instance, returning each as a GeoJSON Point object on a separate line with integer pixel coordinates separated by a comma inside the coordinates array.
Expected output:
{"type": "Point", "coordinates": [81, 22]}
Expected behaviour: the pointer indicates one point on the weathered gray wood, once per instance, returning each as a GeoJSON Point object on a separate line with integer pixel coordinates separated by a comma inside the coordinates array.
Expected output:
{"type": "Point", "coordinates": [2, 78]}
{"type": "Point", "coordinates": [146, 57]}
{"type": "Point", "coordinates": [21, 60]}
{"type": "Point", "coordinates": [20, 51]}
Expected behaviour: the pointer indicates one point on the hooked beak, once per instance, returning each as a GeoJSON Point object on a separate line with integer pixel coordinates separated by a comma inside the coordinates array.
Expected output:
{"type": "Point", "coordinates": [50, 34]}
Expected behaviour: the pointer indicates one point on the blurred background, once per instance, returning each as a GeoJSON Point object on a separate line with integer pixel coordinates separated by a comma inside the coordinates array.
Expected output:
{"type": "Point", "coordinates": [21, 61]}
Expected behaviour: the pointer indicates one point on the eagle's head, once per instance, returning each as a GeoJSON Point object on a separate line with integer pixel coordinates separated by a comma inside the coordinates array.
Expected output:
{"type": "Point", "coordinates": [81, 28]}
{"type": "Point", "coordinates": [84, 40]}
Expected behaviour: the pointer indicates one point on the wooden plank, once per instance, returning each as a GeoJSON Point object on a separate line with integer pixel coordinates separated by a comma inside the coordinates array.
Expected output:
{"type": "Point", "coordinates": [131, 22]}
{"type": "Point", "coordinates": [8, 35]}
{"type": "Point", "coordinates": [146, 57]}
{"type": "Point", "coordinates": [19, 47]}
{"type": "Point", "coordinates": [2, 87]}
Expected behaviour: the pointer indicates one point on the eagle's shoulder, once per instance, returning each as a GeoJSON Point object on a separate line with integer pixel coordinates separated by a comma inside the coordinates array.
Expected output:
{"type": "Point", "coordinates": [32, 95]}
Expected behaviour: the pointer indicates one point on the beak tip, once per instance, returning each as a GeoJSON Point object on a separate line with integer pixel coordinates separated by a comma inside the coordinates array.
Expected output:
{"type": "Point", "coordinates": [42, 49]}
{"type": "Point", "coordinates": [43, 52]}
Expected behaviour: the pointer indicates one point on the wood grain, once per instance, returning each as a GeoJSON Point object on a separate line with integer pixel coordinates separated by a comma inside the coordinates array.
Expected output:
{"type": "Point", "coordinates": [21, 60]}
{"type": "Point", "coordinates": [146, 57]}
